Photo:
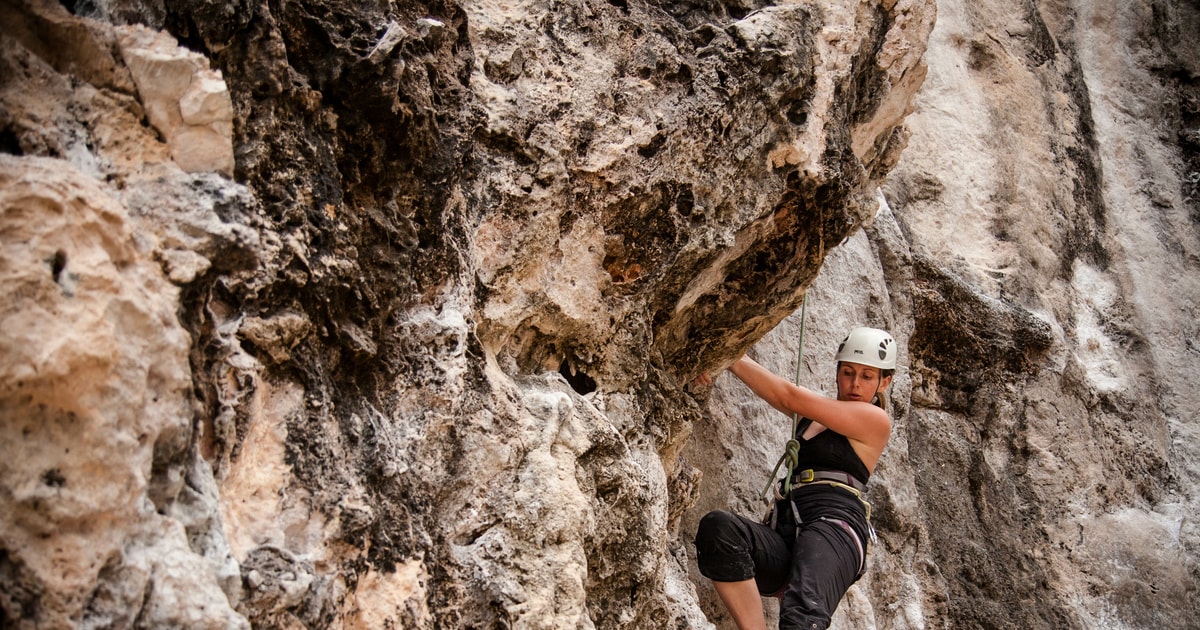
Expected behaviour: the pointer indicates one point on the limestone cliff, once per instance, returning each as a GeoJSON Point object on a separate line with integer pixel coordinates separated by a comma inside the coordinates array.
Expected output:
{"type": "Point", "coordinates": [1039, 263]}
{"type": "Point", "coordinates": [368, 315]}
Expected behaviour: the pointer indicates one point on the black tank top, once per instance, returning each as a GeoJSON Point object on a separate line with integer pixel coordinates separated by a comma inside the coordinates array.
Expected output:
{"type": "Point", "coordinates": [829, 450]}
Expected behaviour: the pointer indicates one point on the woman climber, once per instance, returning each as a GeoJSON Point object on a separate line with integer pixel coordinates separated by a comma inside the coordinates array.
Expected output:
{"type": "Point", "coordinates": [814, 546]}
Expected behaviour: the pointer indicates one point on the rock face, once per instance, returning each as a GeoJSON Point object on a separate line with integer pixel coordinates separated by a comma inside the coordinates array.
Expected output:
{"type": "Point", "coordinates": [1039, 264]}
{"type": "Point", "coordinates": [364, 316]}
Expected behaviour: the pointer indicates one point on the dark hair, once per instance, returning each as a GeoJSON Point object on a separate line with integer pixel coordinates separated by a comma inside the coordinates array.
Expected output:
{"type": "Point", "coordinates": [881, 400]}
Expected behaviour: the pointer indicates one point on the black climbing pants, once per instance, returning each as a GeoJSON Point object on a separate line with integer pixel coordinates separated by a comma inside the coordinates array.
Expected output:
{"type": "Point", "coordinates": [817, 569]}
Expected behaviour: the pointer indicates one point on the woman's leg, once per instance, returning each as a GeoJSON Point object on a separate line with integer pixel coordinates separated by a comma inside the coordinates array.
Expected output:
{"type": "Point", "coordinates": [744, 603]}
{"type": "Point", "coordinates": [743, 558]}
{"type": "Point", "coordinates": [825, 563]}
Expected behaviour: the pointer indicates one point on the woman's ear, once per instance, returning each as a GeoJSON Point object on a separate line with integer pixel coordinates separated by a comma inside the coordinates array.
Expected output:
{"type": "Point", "coordinates": [886, 381]}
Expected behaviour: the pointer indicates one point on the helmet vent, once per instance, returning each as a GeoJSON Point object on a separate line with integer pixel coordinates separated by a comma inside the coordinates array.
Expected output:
{"type": "Point", "coordinates": [869, 346]}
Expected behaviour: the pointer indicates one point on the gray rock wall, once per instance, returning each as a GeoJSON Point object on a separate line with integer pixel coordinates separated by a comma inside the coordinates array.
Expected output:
{"type": "Point", "coordinates": [1038, 264]}
{"type": "Point", "coordinates": [421, 356]}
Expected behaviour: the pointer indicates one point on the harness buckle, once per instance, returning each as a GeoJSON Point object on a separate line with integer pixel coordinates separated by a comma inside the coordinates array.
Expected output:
{"type": "Point", "coordinates": [806, 476]}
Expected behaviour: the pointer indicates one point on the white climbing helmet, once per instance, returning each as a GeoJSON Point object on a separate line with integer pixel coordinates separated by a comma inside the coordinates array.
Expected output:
{"type": "Point", "coordinates": [868, 346]}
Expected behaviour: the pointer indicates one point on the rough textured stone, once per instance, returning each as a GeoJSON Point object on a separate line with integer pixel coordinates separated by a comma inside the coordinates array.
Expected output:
{"type": "Point", "coordinates": [1038, 263]}
{"type": "Point", "coordinates": [96, 418]}
{"type": "Point", "coordinates": [185, 101]}
{"type": "Point", "coordinates": [420, 354]}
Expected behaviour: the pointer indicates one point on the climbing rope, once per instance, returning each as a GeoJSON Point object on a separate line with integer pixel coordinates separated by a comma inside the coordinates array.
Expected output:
{"type": "Point", "coordinates": [791, 453]}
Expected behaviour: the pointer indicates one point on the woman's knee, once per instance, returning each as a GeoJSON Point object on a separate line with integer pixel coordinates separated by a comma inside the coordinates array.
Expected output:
{"type": "Point", "coordinates": [717, 529]}
{"type": "Point", "coordinates": [722, 549]}
{"type": "Point", "coordinates": [718, 520]}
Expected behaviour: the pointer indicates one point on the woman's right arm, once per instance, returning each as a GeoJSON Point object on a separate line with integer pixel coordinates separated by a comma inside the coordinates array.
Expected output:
{"type": "Point", "coordinates": [859, 421]}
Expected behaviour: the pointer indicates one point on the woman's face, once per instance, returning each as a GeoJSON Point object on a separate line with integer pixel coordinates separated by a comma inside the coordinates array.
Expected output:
{"type": "Point", "coordinates": [856, 381]}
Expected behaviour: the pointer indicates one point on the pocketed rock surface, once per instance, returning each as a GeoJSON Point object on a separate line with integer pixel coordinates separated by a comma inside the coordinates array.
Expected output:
{"type": "Point", "coordinates": [1038, 264]}
{"type": "Point", "coordinates": [336, 315]}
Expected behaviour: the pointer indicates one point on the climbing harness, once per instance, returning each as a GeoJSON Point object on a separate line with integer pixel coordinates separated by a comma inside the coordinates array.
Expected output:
{"type": "Point", "coordinates": [838, 480]}
{"type": "Point", "coordinates": [862, 554]}
{"type": "Point", "coordinates": [842, 478]}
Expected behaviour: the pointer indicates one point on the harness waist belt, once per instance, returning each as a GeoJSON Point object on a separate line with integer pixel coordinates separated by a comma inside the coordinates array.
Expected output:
{"type": "Point", "coordinates": [810, 475]}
